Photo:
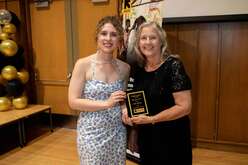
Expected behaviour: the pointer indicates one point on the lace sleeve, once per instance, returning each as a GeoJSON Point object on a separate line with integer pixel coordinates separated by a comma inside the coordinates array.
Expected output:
{"type": "Point", "coordinates": [179, 78]}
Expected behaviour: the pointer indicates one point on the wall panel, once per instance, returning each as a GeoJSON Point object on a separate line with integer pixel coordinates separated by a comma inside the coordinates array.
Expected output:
{"type": "Point", "coordinates": [54, 95]}
{"type": "Point", "coordinates": [215, 56]}
{"type": "Point", "coordinates": [87, 15]}
{"type": "Point", "coordinates": [233, 116]}
{"type": "Point", "coordinates": [205, 117]}
{"type": "Point", "coordinates": [51, 44]}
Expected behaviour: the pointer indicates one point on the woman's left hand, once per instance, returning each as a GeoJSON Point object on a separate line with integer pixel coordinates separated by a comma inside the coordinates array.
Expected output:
{"type": "Point", "coordinates": [142, 119]}
{"type": "Point", "coordinates": [125, 118]}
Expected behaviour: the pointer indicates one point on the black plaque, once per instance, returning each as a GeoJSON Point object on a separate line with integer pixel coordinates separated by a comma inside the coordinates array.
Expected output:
{"type": "Point", "coordinates": [136, 103]}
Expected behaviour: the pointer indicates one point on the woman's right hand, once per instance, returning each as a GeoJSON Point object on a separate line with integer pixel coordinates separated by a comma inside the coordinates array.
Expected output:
{"type": "Point", "coordinates": [116, 97]}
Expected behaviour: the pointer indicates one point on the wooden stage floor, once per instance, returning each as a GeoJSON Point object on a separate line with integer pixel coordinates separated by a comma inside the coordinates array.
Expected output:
{"type": "Point", "coordinates": [59, 148]}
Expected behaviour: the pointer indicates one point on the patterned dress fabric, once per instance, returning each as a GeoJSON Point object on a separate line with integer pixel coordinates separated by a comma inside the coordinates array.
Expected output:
{"type": "Point", "coordinates": [101, 135]}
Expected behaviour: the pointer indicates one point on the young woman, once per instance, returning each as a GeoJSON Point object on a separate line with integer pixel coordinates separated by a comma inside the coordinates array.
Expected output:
{"type": "Point", "coordinates": [97, 90]}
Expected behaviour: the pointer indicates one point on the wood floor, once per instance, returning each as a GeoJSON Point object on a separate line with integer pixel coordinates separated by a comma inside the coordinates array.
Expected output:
{"type": "Point", "coordinates": [59, 148]}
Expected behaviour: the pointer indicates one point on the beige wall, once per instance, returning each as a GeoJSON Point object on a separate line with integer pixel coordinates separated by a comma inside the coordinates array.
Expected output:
{"type": "Point", "coordinates": [88, 14]}
{"type": "Point", "coordinates": [186, 8]}
{"type": "Point", "coordinates": [49, 41]}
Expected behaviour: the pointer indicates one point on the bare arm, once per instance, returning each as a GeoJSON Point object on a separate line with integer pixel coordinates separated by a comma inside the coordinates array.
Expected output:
{"type": "Point", "coordinates": [181, 108]}
{"type": "Point", "coordinates": [75, 90]}
{"type": "Point", "coordinates": [125, 117]}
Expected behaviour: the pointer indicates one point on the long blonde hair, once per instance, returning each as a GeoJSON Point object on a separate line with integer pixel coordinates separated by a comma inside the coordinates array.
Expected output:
{"type": "Point", "coordinates": [162, 36]}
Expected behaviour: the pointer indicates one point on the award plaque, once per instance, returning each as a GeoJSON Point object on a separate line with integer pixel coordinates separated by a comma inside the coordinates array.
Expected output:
{"type": "Point", "coordinates": [136, 103]}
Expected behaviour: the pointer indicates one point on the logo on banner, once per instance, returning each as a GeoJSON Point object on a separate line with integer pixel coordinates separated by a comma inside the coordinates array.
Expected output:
{"type": "Point", "coordinates": [151, 10]}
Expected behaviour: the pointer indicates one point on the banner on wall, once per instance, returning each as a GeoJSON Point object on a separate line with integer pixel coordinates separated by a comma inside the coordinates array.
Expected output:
{"type": "Point", "coordinates": [151, 10]}
{"type": "Point", "coordinates": [134, 13]}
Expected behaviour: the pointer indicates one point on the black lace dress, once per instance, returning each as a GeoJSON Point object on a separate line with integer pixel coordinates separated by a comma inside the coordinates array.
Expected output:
{"type": "Point", "coordinates": [165, 142]}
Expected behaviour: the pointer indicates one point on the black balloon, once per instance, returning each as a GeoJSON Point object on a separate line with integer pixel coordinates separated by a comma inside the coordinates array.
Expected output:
{"type": "Point", "coordinates": [2, 90]}
{"type": "Point", "coordinates": [18, 60]}
{"type": "Point", "coordinates": [3, 61]}
{"type": "Point", "coordinates": [15, 20]}
{"type": "Point", "coordinates": [14, 88]}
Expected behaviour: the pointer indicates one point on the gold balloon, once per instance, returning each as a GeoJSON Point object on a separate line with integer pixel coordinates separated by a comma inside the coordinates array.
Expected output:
{"type": "Point", "coordinates": [23, 76]}
{"type": "Point", "coordinates": [4, 36]}
{"type": "Point", "coordinates": [9, 72]}
{"type": "Point", "coordinates": [20, 102]}
{"type": "Point", "coordinates": [8, 47]}
{"type": "Point", "coordinates": [9, 28]}
{"type": "Point", "coordinates": [4, 103]}
{"type": "Point", "coordinates": [2, 81]}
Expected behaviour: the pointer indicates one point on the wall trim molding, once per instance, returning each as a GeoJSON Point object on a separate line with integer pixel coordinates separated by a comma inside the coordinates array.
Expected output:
{"type": "Point", "coordinates": [71, 34]}
{"type": "Point", "coordinates": [215, 18]}
{"type": "Point", "coordinates": [53, 82]}
{"type": "Point", "coordinates": [228, 146]}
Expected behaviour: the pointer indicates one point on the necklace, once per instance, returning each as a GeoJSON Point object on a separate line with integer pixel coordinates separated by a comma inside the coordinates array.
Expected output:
{"type": "Point", "coordinates": [153, 67]}
{"type": "Point", "coordinates": [104, 62]}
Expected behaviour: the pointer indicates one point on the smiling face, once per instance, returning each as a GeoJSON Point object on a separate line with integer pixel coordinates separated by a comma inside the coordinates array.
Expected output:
{"type": "Point", "coordinates": [149, 42]}
{"type": "Point", "coordinates": [107, 39]}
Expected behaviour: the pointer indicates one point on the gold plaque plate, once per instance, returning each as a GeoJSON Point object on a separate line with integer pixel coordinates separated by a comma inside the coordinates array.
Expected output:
{"type": "Point", "coordinates": [136, 103]}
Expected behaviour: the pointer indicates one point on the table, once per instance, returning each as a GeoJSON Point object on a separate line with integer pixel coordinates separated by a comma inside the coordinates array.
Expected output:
{"type": "Point", "coordinates": [19, 115]}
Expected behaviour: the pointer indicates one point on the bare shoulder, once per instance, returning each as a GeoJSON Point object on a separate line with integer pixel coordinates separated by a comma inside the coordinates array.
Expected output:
{"type": "Point", "coordinates": [125, 67]}
{"type": "Point", "coordinates": [82, 63]}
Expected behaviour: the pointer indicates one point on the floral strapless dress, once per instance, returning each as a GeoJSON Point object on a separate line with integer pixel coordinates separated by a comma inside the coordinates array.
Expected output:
{"type": "Point", "coordinates": [101, 135]}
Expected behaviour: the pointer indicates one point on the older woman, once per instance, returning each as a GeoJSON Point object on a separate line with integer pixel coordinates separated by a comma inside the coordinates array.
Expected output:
{"type": "Point", "coordinates": [164, 135]}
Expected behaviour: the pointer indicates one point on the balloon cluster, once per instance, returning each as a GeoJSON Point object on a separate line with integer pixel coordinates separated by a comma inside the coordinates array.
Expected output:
{"type": "Point", "coordinates": [13, 76]}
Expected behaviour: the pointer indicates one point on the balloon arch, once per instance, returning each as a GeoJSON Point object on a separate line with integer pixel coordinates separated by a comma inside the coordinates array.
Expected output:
{"type": "Point", "coordinates": [13, 75]}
